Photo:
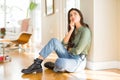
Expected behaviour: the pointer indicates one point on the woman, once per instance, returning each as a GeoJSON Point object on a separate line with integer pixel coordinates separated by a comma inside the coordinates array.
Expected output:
{"type": "Point", "coordinates": [71, 51]}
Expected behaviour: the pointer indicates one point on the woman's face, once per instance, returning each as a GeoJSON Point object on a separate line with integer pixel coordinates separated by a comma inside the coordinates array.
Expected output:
{"type": "Point", "coordinates": [74, 16]}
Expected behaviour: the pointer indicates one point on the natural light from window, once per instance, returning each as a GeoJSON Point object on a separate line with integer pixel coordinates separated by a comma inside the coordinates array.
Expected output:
{"type": "Point", "coordinates": [15, 10]}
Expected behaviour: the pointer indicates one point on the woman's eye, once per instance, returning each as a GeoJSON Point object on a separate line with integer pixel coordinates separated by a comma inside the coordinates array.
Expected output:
{"type": "Point", "coordinates": [70, 15]}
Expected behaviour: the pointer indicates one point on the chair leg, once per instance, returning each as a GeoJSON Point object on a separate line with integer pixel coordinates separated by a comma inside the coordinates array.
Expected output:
{"type": "Point", "coordinates": [19, 48]}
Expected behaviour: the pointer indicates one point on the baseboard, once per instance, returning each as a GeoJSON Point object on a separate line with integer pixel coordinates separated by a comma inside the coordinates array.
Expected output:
{"type": "Point", "coordinates": [103, 65]}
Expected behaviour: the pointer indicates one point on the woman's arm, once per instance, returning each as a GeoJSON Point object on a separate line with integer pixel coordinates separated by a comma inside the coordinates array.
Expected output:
{"type": "Point", "coordinates": [67, 36]}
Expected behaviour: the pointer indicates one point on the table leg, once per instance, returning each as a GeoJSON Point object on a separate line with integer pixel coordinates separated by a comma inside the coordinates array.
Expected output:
{"type": "Point", "coordinates": [3, 52]}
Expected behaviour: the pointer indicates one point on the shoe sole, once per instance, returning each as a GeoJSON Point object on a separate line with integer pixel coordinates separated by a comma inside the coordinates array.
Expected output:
{"type": "Point", "coordinates": [37, 71]}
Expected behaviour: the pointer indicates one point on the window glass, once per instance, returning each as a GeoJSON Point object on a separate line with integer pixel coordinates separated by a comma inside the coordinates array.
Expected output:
{"type": "Point", "coordinates": [72, 4]}
{"type": "Point", "coordinates": [1, 13]}
{"type": "Point", "coordinates": [15, 10]}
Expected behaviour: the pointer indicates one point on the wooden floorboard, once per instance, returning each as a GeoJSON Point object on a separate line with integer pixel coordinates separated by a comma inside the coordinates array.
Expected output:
{"type": "Point", "coordinates": [12, 70]}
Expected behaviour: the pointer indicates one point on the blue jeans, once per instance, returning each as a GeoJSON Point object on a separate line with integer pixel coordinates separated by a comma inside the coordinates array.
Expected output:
{"type": "Point", "coordinates": [66, 61]}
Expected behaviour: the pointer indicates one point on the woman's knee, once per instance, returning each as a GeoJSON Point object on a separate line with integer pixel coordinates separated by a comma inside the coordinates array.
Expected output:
{"type": "Point", "coordinates": [54, 39]}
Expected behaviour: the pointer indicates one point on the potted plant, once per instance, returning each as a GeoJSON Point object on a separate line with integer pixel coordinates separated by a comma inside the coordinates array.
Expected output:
{"type": "Point", "coordinates": [2, 32]}
{"type": "Point", "coordinates": [31, 7]}
{"type": "Point", "coordinates": [25, 22]}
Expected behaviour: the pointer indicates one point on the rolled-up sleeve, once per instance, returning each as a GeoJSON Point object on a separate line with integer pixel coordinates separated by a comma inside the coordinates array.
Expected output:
{"type": "Point", "coordinates": [83, 42]}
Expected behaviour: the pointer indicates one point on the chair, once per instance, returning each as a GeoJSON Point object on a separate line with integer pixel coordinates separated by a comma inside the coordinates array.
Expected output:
{"type": "Point", "coordinates": [22, 39]}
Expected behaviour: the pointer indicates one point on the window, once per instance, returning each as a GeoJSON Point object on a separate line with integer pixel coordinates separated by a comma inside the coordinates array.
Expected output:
{"type": "Point", "coordinates": [72, 4]}
{"type": "Point", "coordinates": [12, 11]}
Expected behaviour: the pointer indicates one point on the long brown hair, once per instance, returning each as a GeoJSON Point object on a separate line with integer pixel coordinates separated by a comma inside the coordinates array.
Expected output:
{"type": "Point", "coordinates": [70, 44]}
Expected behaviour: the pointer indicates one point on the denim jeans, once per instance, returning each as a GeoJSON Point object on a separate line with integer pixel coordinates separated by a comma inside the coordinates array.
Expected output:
{"type": "Point", "coordinates": [66, 61]}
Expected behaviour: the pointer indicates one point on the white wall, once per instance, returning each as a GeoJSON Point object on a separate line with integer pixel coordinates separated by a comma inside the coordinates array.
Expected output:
{"type": "Point", "coordinates": [103, 18]}
{"type": "Point", "coordinates": [50, 24]}
{"type": "Point", "coordinates": [119, 24]}
{"type": "Point", "coordinates": [105, 30]}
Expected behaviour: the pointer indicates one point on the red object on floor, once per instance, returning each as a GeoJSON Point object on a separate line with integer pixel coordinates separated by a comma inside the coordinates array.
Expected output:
{"type": "Point", "coordinates": [1, 58]}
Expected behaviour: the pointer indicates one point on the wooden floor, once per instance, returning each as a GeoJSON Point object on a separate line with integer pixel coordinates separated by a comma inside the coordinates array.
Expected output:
{"type": "Point", "coordinates": [12, 70]}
